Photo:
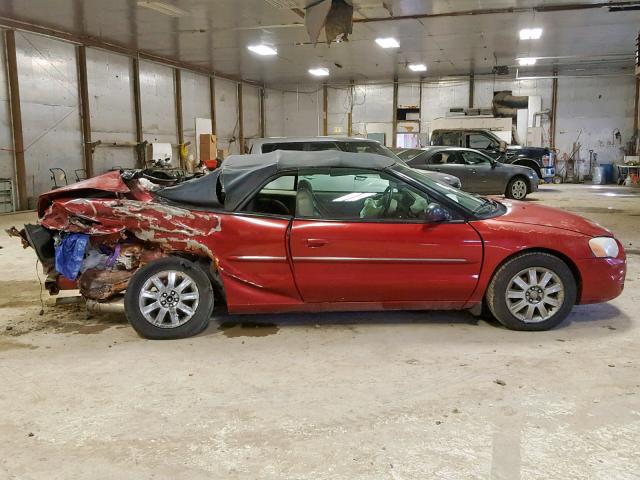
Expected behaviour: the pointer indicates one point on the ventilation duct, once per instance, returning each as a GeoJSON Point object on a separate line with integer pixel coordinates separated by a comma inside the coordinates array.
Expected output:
{"type": "Point", "coordinates": [506, 105]}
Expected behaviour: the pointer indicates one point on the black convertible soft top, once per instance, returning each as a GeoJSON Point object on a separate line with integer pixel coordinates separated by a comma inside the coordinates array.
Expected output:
{"type": "Point", "coordinates": [239, 175]}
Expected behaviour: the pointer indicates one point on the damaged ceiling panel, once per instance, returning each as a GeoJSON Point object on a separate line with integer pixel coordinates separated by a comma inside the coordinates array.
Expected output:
{"type": "Point", "coordinates": [335, 16]}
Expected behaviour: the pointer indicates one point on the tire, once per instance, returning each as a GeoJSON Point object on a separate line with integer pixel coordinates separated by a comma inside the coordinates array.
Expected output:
{"type": "Point", "coordinates": [547, 293]}
{"type": "Point", "coordinates": [185, 312]}
{"type": "Point", "coordinates": [517, 188]}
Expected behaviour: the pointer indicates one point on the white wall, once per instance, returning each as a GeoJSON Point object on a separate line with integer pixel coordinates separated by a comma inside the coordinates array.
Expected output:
{"type": "Point", "coordinates": [250, 112]}
{"type": "Point", "coordinates": [302, 111]}
{"type": "Point", "coordinates": [6, 138]}
{"type": "Point", "coordinates": [593, 109]}
{"type": "Point", "coordinates": [274, 113]}
{"type": "Point", "coordinates": [111, 106]}
{"type": "Point", "coordinates": [196, 103]}
{"type": "Point", "coordinates": [227, 114]}
{"type": "Point", "coordinates": [48, 79]}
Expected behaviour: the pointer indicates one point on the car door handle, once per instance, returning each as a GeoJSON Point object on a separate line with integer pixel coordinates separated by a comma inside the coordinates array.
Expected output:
{"type": "Point", "coordinates": [315, 242]}
{"type": "Point", "coordinates": [438, 169]}
{"type": "Point", "coordinates": [473, 170]}
{"type": "Point", "coordinates": [360, 177]}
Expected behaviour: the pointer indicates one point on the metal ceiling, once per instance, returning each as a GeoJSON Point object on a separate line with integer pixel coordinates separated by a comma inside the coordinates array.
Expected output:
{"type": "Point", "coordinates": [453, 37]}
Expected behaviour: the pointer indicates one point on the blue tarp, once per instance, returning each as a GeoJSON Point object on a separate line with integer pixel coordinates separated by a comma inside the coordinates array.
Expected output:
{"type": "Point", "coordinates": [70, 254]}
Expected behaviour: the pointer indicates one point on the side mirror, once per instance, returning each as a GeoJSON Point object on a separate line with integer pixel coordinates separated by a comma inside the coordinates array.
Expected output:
{"type": "Point", "coordinates": [435, 213]}
{"type": "Point", "coordinates": [494, 164]}
{"type": "Point", "coordinates": [503, 146]}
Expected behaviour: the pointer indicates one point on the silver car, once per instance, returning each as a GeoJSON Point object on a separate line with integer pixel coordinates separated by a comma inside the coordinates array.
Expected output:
{"type": "Point", "coordinates": [345, 144]}
{"type": "Point", "coordinates": [478, 172]}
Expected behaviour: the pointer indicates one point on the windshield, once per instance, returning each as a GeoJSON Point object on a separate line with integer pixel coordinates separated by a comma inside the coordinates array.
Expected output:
{"type": "Point", "coordinates": [409, 154]}
{"type": "Point", "coordinates": [368, 147]}
{"type": "Point", "coordinates": [475, 204]}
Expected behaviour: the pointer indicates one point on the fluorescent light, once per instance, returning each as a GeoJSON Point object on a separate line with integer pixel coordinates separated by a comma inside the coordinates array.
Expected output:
{"type": "Point", "coordinates": [319, 72]}
{"type": "Point", "coordinates": [417, 67]}
{"type": "Point", "coordinates": [530, 33]}
{"type": "Point", "coordinates": [389, 42]}
{"type": "Point", "coordinates": [263, 49]}
{"type": "Point", "coordinates": [526, 62]}
{"type": "Point", "coordinates": [164, 8]}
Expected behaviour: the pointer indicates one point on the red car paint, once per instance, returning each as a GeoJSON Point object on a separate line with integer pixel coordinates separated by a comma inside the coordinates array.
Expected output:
{"type": "Point", "coordinates": [270, 264]}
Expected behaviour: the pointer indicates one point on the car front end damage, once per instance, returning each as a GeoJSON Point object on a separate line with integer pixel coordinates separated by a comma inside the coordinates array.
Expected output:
{"type": "Point", "coordinates": [114, 224]}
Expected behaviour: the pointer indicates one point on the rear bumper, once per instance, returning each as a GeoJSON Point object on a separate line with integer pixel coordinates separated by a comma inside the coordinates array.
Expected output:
{"type": "Point", "coordinates": [602, 279]}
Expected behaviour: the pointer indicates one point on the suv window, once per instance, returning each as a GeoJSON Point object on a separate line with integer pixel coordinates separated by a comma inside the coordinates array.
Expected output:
{"type": "Point", "coordinates": [450, 139]}
{"type": "Point", "coordinates": [366, 147]}
{"type": "Point", "coordinates": [272, 147]}
{"type": "Point", "coordinates": [357, 195]}
{"type": "Point", "coordinates": [479, 141]}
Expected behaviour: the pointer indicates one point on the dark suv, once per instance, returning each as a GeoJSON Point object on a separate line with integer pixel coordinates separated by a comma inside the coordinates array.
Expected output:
{"type": "Point", "coordinates": [490, 144]}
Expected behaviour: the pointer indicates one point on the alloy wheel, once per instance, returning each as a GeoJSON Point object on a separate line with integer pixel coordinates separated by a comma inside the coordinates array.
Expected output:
{"type": "Point", "coordinates": [535, 294]}
{"type": "Point", "coordinates": [519, 189]}
{"type": "Point", "coordinates": [169, 299]}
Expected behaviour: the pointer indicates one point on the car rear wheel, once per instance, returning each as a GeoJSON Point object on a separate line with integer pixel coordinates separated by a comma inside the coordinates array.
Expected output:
{"type": "Point", "coordinates": [169, 298]}
{"type": "Point", "coordinates": [533, 291]}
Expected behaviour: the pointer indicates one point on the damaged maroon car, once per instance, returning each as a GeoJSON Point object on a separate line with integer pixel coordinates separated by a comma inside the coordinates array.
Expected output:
{"type": "Point", "coordinates": [315, 231]}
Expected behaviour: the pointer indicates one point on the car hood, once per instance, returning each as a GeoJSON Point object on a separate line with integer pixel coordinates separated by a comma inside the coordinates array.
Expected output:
{"type": "Point", "coordinates": [516, 168]}
{"type": "Point", "coordinates": [520, 148]}
{"type": "Point", "coordinates": [529, 214]}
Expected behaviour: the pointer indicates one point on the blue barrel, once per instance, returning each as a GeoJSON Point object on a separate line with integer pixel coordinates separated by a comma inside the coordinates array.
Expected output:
{"type": "Point", "coordinates": [607, 172]}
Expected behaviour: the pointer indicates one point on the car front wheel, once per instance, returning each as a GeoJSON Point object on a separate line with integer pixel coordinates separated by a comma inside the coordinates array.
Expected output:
{"type": "Point", "coordinates": [533, 291]}
{"type": "Point", "coordinates": [169, 298]}
{"type": "Point", "coordinates": [517, 188]}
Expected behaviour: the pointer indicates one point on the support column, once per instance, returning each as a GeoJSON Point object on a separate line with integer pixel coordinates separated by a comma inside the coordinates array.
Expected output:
{"type": "Point", "coordinates": [138, 111]}
{"type": "Point", "coordinates": [472, 88]}
{"type": "Point", "coordinates": [85, 113]}
{"type": "Point", "coordinates": [16, 119]}
{"type": "Point", "coordinates": [636, 118]}
{"type": "Point", "coordinates": [350, 114]}
{"type": "Point", "coordinates": [180, 130]}
{"type": "Point", "coordinates": [263, 118]}
{"type": "Point", "coordinates": [325, 115]}
{"type": "Point", "coordinates": [212, 96]}
{"type": "Point", "coordinates": [394, 129]}
{"type": "Point", "coordinates": [240, 120]}
{"type": "Point", "coordinates": [554, 109]}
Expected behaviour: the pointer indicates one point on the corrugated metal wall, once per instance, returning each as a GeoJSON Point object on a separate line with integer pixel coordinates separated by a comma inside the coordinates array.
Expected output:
{"type": "Point", "coordinates": [112, 111]}
{"type": "Point", "coordinates": [48, 78]}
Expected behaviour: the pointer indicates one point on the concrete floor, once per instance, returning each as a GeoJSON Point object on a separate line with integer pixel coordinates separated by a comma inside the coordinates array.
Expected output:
{"type": "Point", "coordinates": [335, 396]}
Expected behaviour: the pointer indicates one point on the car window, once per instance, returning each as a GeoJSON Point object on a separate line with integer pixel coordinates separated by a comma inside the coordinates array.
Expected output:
{"type": "Point", "coordinates": [479, 141]}
{"type": "Point", "coordinates": [474, 158]}
{"type": "Point", "coordinates": [357, 195]}
{"type": "Point", "coordinates": [452, 157]}
{"type": "Point", "coordinates": [277, 197]}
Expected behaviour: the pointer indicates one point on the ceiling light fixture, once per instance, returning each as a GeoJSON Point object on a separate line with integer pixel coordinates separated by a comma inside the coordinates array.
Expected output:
{"type": "Point", "coordinates": [526, 61]}
{"type": "Point", "coordinates": [164, 8]}
{"type": "Point", "coordinates": [319, 72]}
{"type": "Point", "coordinates": [417, 67]}
{"type": "Point", "coordinates": [530, 33]}
{"type": "Point", "coordinates": [263, 49]}
{"type": "Point", "coordinates": [388, 42]}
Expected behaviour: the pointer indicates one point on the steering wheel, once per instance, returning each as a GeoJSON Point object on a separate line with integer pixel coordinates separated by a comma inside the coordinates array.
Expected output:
{"type": "Point", "coordinates": [386, 201]}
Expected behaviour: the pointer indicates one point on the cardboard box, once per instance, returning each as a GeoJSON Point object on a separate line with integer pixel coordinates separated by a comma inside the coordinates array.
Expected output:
{"type": "Point", "coordinates": [208, 147]}
{"type": "Point", "coordinates": [223, 153]}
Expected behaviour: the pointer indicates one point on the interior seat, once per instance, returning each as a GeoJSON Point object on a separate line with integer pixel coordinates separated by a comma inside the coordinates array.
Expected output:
{"type": "Point", "coordinates": [306, 202]}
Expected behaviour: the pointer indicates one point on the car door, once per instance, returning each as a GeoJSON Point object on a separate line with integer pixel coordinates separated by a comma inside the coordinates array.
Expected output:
{"type": "Point", "coordinates": [450, 162]}
{"type": "Point", "coordinates": [348, 250]}
{"type": "Point", "coordinates": [482, 177]}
